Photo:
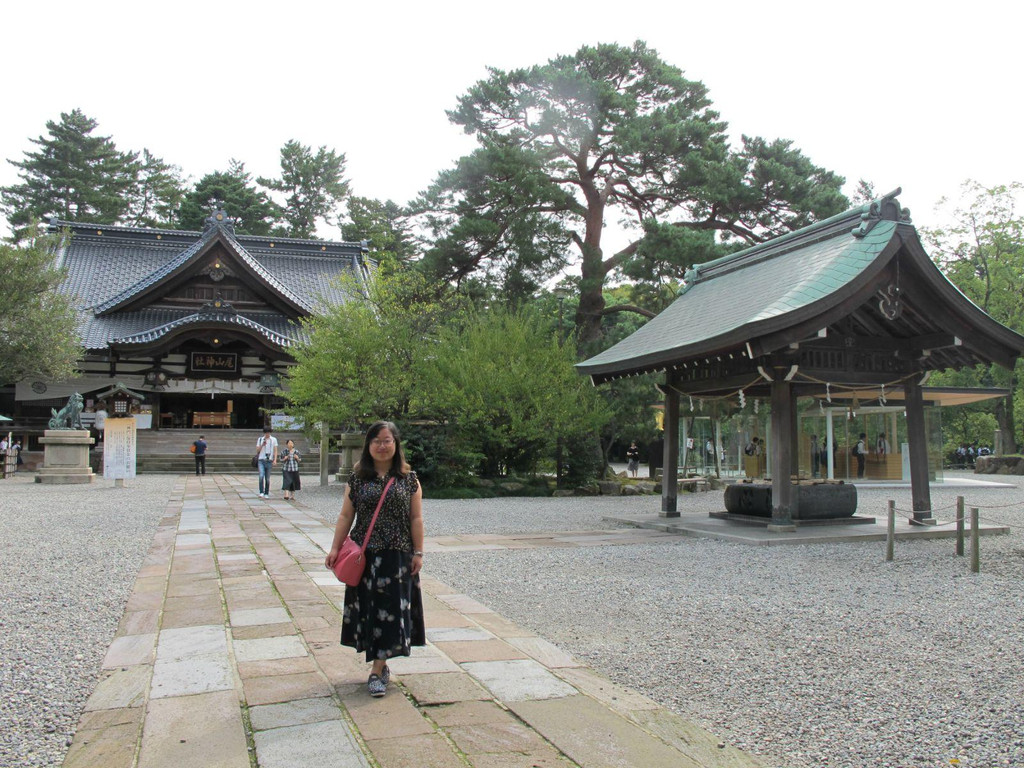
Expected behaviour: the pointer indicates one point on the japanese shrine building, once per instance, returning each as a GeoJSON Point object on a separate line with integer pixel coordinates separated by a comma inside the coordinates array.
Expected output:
{"type": "Point", "coordinates": [850, 304]}
{"type": "Point", "coordinates": [201, 322]}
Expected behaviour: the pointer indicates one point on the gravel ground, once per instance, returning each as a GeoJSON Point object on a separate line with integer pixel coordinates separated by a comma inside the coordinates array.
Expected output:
{"type": "Point", "coordinates": [69, 556]}
{"type": "Point", "coordinates": [805, 655]}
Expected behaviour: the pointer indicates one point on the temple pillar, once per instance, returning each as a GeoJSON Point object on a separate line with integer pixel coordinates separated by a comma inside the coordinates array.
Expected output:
{"type": "Point", "coordinates": [155, 398]}
{"type": "Point", "coordinates": [670, 463]}
{"type": "Point", "coordinates": [782, 455]}
{"type": "Point", "coordinates": [917, 439]}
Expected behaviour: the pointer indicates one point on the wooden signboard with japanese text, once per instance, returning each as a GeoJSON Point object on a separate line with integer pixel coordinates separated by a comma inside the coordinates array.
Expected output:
{"type": "Point", "coordinates": [119, 449]}
{"type": "Point", "coordinates": [207, 363]}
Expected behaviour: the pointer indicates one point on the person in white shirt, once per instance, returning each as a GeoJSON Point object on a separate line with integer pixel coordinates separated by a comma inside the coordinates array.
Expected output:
{"type": "Point", "coordinates": [100, 422]}
{"type": "Point", "coordinates": [266, 454]}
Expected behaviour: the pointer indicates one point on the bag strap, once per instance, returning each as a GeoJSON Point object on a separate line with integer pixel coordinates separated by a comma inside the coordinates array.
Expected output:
{"type": "Point", "coordinates": [369, 531]}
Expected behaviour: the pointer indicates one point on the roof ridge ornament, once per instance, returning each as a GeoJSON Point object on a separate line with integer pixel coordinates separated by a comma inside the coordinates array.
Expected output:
{"type": "Point", "coordinates": [217, 306]}
{"type": "Point", "coordinates": [885, 208]}
{"type": "Point", "coordinates": [219, 218]}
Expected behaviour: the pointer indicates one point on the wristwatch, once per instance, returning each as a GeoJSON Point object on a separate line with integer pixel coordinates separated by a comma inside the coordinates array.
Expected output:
{"type": "Point", "coordinates": [417, 552]}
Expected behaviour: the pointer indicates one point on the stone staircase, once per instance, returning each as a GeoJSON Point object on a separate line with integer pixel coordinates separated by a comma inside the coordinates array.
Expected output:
{"type": "Point", "coordinates": [230, 450]}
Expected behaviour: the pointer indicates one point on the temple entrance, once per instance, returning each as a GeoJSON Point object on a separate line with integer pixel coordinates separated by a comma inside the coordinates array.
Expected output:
{"type": "Point", "coordinates": [219, 411]}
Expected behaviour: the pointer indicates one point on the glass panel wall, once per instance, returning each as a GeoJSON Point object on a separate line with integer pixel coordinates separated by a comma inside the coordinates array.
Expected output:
{"type": "Point", "coordinates": [884, 443]}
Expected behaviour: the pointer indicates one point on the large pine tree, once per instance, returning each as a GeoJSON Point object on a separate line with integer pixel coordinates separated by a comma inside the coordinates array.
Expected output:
{"type": "Point", "coordinates": [72, 175]}
{"type": "Point", "coordinates": [313, 186]}
{"type": "Point", "coordinates": [234, 191]}
{"type": "Point", "coordinates": [609, 134]}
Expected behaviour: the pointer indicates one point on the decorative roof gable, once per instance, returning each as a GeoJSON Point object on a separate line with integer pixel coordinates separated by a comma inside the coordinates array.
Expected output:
{"type": "Point", "coordinates": [126, 281]}
{"type": "Point", "coordinates": [219, 231]}
{"type": "Point", "coordinates": [838, 277]}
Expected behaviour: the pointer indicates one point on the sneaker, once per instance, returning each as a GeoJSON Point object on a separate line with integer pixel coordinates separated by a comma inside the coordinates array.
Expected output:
{"type": "Point", "coordinates": [385, 675]}
{"type": "Point", "coordinates": [376, 687]}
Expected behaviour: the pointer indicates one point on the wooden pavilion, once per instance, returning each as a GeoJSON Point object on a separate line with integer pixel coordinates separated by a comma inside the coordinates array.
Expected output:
{"type": "Point", "coordinates": [852, 302]}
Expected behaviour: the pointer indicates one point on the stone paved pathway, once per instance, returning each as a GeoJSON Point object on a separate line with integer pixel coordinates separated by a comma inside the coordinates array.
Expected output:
{"type": "Point", "coordinates": [228, 655]}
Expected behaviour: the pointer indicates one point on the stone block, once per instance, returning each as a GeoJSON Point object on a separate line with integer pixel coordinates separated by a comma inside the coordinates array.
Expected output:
{"type": "Point", "coordinates": [265, 648]}
{"type": "Point", "coordinates": [298, 712]}
{"type": "Point", "coordinates": [122, 688]}
{"type": "Point", "coordinates": [197, 730]}
{"type": "Point", "coordinates": [443, 688]}
{"type": "Point", "coordinates": [518, 680]}
{"type": "Point", "coordinates": [591, 734]}
{"type": "Point", "coordinates": [312, 745]}
{"type": "Point", "coordinates": [422, 751]}
{"type": "Point", "coordinates": [278, 688]}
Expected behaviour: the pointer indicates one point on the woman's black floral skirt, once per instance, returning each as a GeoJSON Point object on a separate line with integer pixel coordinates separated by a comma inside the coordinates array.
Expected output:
{"type": "Point", "coordinates": [384, 614]}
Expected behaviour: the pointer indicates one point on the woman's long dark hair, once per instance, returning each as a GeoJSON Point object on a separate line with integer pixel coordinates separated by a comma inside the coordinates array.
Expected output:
{"type": "Point", "coordinates": [365, 468]}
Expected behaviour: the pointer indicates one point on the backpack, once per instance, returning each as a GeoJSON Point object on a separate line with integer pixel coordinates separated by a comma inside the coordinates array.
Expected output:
{"type": "Point", "coordinates": [192, 449]}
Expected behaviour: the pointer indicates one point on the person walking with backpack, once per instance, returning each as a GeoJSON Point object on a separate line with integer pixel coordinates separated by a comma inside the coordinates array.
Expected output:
{"type": "Point", "coordinates": [199, 451]}
{"type": "Point", "coordinates": [266, 454]}
{"type": "Point", "coordinates": [860, 451]}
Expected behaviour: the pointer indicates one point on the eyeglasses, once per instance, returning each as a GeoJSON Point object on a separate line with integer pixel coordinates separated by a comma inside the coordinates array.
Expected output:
{"type": "Point", "coordinates": [382, 443]}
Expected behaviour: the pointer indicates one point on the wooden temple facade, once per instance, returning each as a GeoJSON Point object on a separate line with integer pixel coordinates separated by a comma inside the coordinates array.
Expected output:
{"type": "Point", "coordinates": [852, 303]}
{"type": "Point", "coordinates": [200, 323]}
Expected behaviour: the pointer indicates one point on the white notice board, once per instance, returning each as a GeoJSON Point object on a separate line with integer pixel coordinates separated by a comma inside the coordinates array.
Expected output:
{"type": "Point", "coordinates": [119, 448]}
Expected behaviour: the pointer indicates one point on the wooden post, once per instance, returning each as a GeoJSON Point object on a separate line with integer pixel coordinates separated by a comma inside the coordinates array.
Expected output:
{"type": "Point", "coordinates": [918, 441]}
{"type": "Point", "coordinates": [975, 542]}
{"type": "Point", "coordinates": [325, 452]}
{"type": "Point", "coordinates": [782, 455]}
{"type": "Point", "coordinates": [890, 533]}
{"type": "Point", "coordinates": [155, 397]}
{"type": "Point", "coordinates": [670, 463]}
{"type": "Point", "coordinates": [960, 526]}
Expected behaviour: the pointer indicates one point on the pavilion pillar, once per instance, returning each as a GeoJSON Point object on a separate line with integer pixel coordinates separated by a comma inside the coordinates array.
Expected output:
{"type": "Point", "coordinates": [918, 441]}
{"type": "Point", "coordinates": [782, 455]}
{"type": "Point", "coordinates": [670, 463]}
{"type": "Point", "coordinates": [794, 433]}
{"type": "Point", "coordinates": [156, 410]}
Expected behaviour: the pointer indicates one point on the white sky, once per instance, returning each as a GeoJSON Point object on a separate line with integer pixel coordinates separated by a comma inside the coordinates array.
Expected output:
{"type": "Point", "coordinates": [921, 95]}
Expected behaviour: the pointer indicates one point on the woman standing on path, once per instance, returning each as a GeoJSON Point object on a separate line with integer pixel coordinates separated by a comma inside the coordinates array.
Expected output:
{"type": "Point", "coordinates": [383, 616]}
{"type": "Point", "coordinates": [290, 470]}
{"type": "Point", "coordinates": [633, 457]}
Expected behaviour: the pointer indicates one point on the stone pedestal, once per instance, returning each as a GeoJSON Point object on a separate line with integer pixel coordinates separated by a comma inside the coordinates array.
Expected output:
{"type": "Point", "coordinates": [351, 445]}
{"type": "Point", "coordinates": [65, 457]}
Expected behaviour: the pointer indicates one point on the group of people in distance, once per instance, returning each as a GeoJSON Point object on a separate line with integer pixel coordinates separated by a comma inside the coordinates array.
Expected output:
{"type": "Point", "coordinates": [860, 451]}
{"type": "Point", "coordinates": [11, 446]}
{"type": "Point", "coordinates": [819, 451]}
{"type": "Point", "coordinates": [267, 456]}
{"type": "Point", "coordinates": [967, 453]}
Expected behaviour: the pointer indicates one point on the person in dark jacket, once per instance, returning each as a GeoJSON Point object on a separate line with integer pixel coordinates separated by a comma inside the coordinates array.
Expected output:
{"type": "Point", "coordinates": [200, 454]}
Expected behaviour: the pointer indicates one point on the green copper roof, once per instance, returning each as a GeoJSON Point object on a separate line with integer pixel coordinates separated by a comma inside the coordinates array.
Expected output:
{"type": "Point", "coordinates": [755, 291]}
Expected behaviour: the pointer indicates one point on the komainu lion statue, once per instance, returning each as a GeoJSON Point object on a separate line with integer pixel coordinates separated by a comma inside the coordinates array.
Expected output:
{"type": "Point", "coordinates": [70, 416]}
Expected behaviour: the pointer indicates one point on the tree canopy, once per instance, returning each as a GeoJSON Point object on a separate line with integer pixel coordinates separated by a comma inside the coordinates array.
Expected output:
{"type": "Point", "coordinates": [313, 186]}
{"type": "Point", "coordinates": [609, 130]}
{"type": "Point", "coordinates": [37, 324]}
{"type": "Point", "coordinates": [982, 252]}
{"type": "Point", "coordinates": [358, 362]}
{"type": "Point", "coordinates": [382, 225]}
{"type": "Point", "coordinates": [253, 210]}
{"type": "Point", "coordinates": [73, 176]}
